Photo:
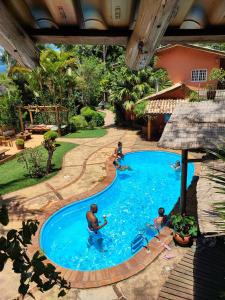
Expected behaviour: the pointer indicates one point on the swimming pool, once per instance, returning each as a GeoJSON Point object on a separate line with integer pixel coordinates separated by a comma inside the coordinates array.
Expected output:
{"type": "Point", "coordinates": [129, 202]}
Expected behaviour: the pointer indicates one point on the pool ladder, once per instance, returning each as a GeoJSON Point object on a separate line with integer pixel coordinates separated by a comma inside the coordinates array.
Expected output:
{"type": "Point", "coordinates": [138, 243]}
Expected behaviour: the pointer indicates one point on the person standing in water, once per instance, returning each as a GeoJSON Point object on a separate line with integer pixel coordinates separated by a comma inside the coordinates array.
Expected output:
{"type": "Point", "coordinates": [176, 166]}
{"type": "Point", "coordinates": [95, 235]}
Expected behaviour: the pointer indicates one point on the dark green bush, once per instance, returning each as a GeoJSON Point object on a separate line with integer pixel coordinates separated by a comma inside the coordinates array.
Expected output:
{"type": "Point", "coordinates": [78, 122]}
{"type": "Point", "coordinates": [50, 135]}
{"type": "Point", "coordinates": [98, 119]}
{"type": "Point", "coordinates": [92, 124]}
{"type": "Point", "coordinates": [92, 115]}
{"type": "Point", "coordinates": [88, 113]}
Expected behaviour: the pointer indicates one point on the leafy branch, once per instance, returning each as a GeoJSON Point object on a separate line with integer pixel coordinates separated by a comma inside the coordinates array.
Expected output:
{"type": "Point", "coordinates": [32, 270]}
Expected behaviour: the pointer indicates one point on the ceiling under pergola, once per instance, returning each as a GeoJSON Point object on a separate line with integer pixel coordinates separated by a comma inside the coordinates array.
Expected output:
{"type": "Point", "coordinates": [139, 25]}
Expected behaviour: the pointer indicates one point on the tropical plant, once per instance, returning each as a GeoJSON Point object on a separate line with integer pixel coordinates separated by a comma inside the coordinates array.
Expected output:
{"type": "Point", "coordinates": [127, 87]}
{"type": "Point", "coordinates": [184, 225]}
{"type": "Point", "coordinates": [52, 135]}
{"type": "Point", "coordinates": [90, 72]}
{"type": "Point", "coordinates": [9, 99]}
{"type": "Point", "coordinates": [92, 124]}
{"type": "Point", "coordinates": [50, 145]}
{"type": "Point", "coordinates": [139, 108]}
{"type": "Point", "coordinates": [92, 115]}
{"type": "Point", "coordinates": [33, 162]}
{"type": "Point", "coordinates": [53, 82]}
{"type": "Point", "coordinates": [194, 97]}
{"type": "Point", "coordinates": [78, 122]}
{"type": "Point", "coordinates": [87, 112]}
{"type": "Point", "coordinates": [98, 118]}
{"type": "Point", "coordinates": [33, 270]}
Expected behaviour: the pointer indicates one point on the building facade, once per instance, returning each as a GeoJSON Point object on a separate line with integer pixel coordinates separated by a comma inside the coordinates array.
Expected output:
{"type": "Point", "coordinates": [188, 64]}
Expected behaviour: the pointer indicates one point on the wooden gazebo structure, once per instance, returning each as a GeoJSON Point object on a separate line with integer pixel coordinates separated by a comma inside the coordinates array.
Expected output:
{"type": "Point", "coordinates": [139, 25]}
{"type": "Point", "coordinates": [56, 109]}
{"type": "Point", "coordinates": [197, 125]}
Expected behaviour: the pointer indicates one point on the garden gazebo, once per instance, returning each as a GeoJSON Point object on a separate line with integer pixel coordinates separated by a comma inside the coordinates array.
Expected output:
{"type": "Point", "coordinates": [194, 126]}
{"type": "Point", "coordinates": [56, 109]}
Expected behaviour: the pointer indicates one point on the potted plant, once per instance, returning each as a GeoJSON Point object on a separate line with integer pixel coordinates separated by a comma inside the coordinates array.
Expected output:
{"type": "Point", "coordinates": [185, 228]}
{"type": "Point", "coordinates": [211, 92]}
{"type": "Point", "coordinates": [19, 144]}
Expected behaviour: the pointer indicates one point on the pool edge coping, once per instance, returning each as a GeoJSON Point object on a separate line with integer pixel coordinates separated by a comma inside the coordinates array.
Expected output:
{"type": "Point", "coordinates": [122, 271]}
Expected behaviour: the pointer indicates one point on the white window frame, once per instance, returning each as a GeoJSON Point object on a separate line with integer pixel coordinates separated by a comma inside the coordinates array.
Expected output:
{"type": "Point", "coordinates": [198, 76]}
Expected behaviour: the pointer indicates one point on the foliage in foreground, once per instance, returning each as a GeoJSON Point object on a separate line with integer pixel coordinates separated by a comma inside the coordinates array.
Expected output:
{"type": "Point", "coordinates": [34, 271]}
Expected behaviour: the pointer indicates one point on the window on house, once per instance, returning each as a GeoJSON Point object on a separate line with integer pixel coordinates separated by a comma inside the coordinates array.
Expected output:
{"type": "Point", "coordinates": [199, 75]}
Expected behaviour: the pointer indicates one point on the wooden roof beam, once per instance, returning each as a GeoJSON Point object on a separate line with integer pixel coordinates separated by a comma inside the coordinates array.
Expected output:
{"type": "Point", "coordinates": [152, 22]}
{"type": "Point", "coordinates": [71, 35]}
{"type": "Point", "coordinates": [211, 34]}
{"type": "Point", "coordinates": [15, 40]}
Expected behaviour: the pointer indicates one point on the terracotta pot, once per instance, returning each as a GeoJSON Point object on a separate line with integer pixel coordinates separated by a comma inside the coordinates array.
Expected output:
{"type": "Point", "coordinates": [20, 147]}
{"type": "Point", "coordinates": [182, 241]}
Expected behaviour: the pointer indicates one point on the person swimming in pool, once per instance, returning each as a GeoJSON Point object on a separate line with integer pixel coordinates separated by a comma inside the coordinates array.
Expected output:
{"type": "Point", "coordinates": [160, 221]}
{"type": "Point", "coordinates": [118, 153]}
{"type": "Point", "coordinates": [119, 167]}
{"type": "Point", "coordinates": [176, 166]}
{"type": "Point", "coordinates": [95, 235]}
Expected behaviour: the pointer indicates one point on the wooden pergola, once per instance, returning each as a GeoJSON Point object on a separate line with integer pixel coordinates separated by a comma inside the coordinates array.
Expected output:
{"type": "Point", "coordinates": [196, 125]}
{"type": "Point", "coordinates": [56, 109]}
{"type": "Point", "coordinates": [139, 25]}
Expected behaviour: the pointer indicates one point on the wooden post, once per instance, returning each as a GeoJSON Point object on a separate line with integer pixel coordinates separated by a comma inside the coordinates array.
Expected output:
{"type": "Point", "coordinates": [58, 121]}
{"type": "Point", "coordinates": [149, 128]}
{"type": "Point", "coordinates": [183, 195]}
{"type": "Point", "coordinates": [21, 119]}
{"type": "Point", "coordinates": [31, 117]}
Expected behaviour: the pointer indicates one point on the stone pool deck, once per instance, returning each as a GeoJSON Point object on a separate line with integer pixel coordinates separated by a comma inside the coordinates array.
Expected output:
{"type": "Point", "coordinates": [84, 172]}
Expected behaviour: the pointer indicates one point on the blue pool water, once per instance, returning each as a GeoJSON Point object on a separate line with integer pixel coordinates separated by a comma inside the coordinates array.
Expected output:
{"type": "Point", "coordinates": [129, 202]}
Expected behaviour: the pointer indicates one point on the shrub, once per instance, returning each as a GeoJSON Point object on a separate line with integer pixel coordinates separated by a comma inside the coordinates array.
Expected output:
{"type": "Point", "coordinates": [88, 113]}
{"type": "Point", "coordinates": [19, 142]}
{"type": "Point", "coordinates": [92, 115]}
{"type": "Point", "coordinates": [50, 135]}
{"type": "Point", "coordinates": [184, 225]}
{"type": "Point", "coordinates": [78, 122]}
{"type": "Point", "coordinates": [98, 119]}
{"type": "Point", "coordinates": [92, 124]}
{"type": "Point", "coordinates": [33, 162]}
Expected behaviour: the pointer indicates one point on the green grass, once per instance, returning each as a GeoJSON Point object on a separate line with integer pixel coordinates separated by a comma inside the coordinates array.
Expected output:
{"type": "Point", "coordinates": [13, 174]}
{"type": "Point", "coordinates": [87, 133]}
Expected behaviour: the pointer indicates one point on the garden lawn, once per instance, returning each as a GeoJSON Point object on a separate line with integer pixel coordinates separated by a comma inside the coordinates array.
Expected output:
{"type": "Point", "coordinates": [87, 133]}
{"type": "Point", "coordinates": [13, 174]}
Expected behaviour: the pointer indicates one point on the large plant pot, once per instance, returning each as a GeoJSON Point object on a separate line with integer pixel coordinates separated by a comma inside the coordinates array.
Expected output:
{"type": "Point", "coordinates": [20, 147]}
{"type": "Point", "coordinates": [211, 95]}
{"type": "Point", "coordinates": [182, 241]}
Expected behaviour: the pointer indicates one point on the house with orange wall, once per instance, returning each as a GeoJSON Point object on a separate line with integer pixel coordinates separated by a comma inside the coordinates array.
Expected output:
{"type": "Point", "coordinates": [189, 64]}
